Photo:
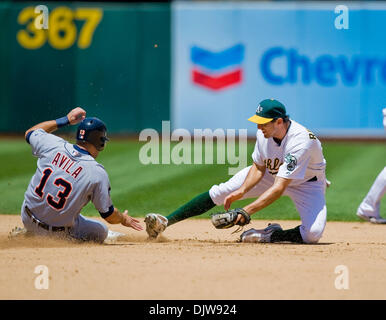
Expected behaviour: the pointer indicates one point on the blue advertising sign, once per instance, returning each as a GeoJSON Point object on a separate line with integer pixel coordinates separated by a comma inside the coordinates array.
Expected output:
{"type": "Point", "coordinates": [331, 76]}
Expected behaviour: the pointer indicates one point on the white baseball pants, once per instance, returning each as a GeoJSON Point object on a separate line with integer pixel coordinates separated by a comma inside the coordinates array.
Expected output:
{"type": "Point", "coordinates": [309, 199]}
{"type": "Point", "coordinates": [370, 205]}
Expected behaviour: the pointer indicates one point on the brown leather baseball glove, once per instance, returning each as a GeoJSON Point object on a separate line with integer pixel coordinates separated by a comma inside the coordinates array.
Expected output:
{"type": "Point", "coordinates": [225, 220]}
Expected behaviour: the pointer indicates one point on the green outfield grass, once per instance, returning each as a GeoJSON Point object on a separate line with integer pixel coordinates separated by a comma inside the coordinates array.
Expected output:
{"type": "Point", "coordinates": [352, 168]}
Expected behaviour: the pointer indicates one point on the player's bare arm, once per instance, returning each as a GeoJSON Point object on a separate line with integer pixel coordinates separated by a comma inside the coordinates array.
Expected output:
{"type": "Point", "coordinates": [269, 196]}
{"type": "Point", "coordinates": [75, 116]}
{"type": "Point", "coordinates": [255, 174]}
{"type": "Point", "coordinates": [123, 218]}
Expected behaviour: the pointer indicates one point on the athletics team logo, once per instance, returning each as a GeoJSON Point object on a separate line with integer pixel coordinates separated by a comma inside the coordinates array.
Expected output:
{"type": "Point", "coordinates": [217, 70]}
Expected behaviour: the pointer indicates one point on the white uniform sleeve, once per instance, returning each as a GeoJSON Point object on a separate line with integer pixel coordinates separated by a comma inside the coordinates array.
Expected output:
{"type": "Point", "coordinates": [42, 142]}
{"type": "Point", "coordinates": [101, 195]}
{"type": "Point", "coordinates": [256, 156]}
{"type": "Point", "coordinates": [296, 158]}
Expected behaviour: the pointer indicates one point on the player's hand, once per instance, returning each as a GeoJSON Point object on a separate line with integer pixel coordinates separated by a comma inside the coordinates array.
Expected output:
{"type": "Point", "coordinates": [240, 219]}
{"type": "Point", "coordinates": [128, 221]}
{"type": "Point", "coordinates": [76, 115]}
{"type": "Point", "coordinates": [235, 195]}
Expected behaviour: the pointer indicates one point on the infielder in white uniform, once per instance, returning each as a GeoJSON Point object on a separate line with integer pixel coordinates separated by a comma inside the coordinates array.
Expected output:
{"type": "Point", "coordinates": [369, 209]}
{"type": "Point", "coordinates": [67, 178]}
{"type": "Point", "coordinates": [287, 160]}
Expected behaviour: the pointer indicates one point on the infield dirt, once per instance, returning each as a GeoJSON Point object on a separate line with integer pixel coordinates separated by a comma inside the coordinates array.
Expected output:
{"type": "Point", "coordinates": [192, 260]}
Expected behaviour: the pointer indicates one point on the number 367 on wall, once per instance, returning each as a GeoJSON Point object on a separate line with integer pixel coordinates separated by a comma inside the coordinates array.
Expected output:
{"type": "Point", "coordinates": [62, 31]}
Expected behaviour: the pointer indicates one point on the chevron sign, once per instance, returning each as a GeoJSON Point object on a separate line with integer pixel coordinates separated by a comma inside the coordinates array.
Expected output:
{"type": "Point", "coordinates": [217, 70]}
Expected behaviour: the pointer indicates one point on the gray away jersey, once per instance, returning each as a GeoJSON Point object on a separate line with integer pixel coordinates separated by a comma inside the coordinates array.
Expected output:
{"type": "Point", "coordinates": [66, 179]}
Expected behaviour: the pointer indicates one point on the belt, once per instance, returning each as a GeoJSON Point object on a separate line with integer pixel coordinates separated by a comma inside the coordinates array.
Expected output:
{"type": "Point", "coordinates": [42, 224]}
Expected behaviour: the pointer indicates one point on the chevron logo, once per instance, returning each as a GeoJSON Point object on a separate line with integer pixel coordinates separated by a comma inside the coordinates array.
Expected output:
{"type": "Point", "coordinates": [217, 70]}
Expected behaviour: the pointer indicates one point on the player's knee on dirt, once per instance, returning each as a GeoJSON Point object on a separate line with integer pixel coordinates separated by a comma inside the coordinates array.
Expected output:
{"type": "Point", "coordinates": [89, 230]}
{"type": "Point", "coordinates": [99, 234]}
{"type": "Point", "coordinates": [312, 235]}
{"type": "Point", "coordinates": [96, 234]}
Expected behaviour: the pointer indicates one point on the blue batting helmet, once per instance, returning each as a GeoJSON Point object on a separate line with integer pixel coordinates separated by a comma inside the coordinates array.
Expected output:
{"type": "Point", "coordinates": [92, 130]}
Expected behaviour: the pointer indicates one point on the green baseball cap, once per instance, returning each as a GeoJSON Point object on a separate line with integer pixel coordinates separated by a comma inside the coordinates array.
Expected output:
{"type": "Point", "coordinates": [267, 110]}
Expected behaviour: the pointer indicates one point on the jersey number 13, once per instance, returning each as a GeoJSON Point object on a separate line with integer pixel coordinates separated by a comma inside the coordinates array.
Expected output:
{"type": "Point", "coordinates": [62, 195]}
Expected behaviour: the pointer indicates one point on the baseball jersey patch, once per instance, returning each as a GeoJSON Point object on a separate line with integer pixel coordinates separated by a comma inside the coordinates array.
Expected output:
{"type": "Point", "coordinates": [291, 161]}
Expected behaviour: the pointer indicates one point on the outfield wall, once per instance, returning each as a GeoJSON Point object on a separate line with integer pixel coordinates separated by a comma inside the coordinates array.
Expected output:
{"type": "Point", "coordinates": [200, 65]}
{"type": "Point", "coordinates": [113, 60]}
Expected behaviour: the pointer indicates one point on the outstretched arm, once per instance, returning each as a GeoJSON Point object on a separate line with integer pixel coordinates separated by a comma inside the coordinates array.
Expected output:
{"type": "Point", "coordinates": [73, 117]}
{"type": "Point", "coordinates": [124, 219]}
{"type": "Point", "coordinates": [269, 196]}
{"type": "Point", "coordinates": [255, 174]}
